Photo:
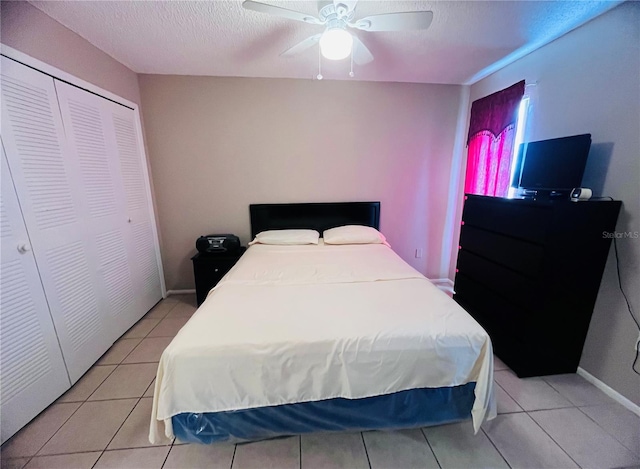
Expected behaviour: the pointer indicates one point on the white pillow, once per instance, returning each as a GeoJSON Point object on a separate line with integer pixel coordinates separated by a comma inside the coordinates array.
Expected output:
{"type": "Point", "coordinates": [354, 234]}
{"type": "Point", "coordinates": [286, 237]}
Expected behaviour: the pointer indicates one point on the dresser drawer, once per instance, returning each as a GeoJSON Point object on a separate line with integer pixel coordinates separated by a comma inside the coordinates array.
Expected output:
{"type": "Point", "coordinates": [521, 256]}
{"type": "Point", "coordinates": [511, 218]}
{"type": "Point", "coordinates": [502, 320]}
{"type": "Point", "coordinates": [215, 267]}
{"type": "Point", "coordinates": [515, 287]}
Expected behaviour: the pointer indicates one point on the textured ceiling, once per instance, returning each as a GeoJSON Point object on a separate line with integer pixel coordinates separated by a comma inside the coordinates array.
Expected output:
{"type": "Point", "coordinates": [466, 41]}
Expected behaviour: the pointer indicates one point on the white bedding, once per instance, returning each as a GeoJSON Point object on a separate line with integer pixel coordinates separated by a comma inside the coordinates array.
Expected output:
{"type": "Point", "coordinates": [304, 323]}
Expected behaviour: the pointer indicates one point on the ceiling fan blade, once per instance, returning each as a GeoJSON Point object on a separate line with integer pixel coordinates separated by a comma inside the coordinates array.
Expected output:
{"type": "Point", "coordinates": [302, 46]}
{"type": "Point", "coordinates": [282, 12]}
{"type": "Point", "coordinates": [361, 55]}
{"type": "Point", "coordinates": [405, 21]}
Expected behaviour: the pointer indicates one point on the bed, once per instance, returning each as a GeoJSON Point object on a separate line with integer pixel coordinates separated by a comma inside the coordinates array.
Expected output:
{"type": "Point", "coordinates": [307, 338]}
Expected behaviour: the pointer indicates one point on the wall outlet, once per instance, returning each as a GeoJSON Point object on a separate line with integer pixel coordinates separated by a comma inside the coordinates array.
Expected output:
{"type": "Point", "coordinates": [418, 253]}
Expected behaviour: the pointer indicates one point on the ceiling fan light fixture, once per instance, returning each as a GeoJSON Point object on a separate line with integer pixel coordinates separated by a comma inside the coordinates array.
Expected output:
{"type": "Point", "coordinates": [336, 44]}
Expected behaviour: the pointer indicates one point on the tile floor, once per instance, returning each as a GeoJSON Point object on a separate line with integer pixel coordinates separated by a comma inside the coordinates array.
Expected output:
{"type": "Point", "coordinates": [102, 422]}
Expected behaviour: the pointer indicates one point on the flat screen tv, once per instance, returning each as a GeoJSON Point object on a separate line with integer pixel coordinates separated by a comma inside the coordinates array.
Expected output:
{"type": "Point", "coordinates": [554, 165]}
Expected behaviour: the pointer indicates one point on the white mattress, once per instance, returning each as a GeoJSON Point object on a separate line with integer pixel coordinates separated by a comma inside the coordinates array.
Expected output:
{"type": "Point", "coordinates": [303, 323]}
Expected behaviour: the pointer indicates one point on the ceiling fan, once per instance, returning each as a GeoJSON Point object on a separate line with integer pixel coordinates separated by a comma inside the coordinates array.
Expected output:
{"type": "Point", "coordinates": [336, 42]}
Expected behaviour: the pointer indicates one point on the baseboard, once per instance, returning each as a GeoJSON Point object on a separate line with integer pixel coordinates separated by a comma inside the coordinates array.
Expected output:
{"type": "Point", "coordinates": [444, 284]}
{"type": "Point", "coordinates": [612, 393]}
{"type": "Point", "coordinates": [181, 292]}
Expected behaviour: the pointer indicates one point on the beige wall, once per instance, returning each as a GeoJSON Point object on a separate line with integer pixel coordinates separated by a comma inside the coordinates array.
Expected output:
{"type": "Point", "coordinates": [28, 30]}
{"type": "Point", "coordinates": [589, 82]}
{"type": "Point", "coordinates": [217, 145]}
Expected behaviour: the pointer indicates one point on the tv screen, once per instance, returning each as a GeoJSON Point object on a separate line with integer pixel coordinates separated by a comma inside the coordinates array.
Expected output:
{"type": "Point", "coordinates": [554, 165]}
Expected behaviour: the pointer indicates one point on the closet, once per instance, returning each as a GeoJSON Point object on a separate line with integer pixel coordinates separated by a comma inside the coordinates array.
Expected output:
{"type": "Point", "coordinates": [80, 263]}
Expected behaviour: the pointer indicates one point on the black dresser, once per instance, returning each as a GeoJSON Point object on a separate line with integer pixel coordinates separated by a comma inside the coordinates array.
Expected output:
{"type": "Point", "coordinates": [529, 272]}
{"type": "Point", "coordinates": [208, 270]}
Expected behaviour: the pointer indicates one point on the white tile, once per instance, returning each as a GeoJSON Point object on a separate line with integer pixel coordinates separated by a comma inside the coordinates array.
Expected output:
{"type": "Point", "coordinates": [506, 405]}
{"type": "Point", "coordinates": [126, 381]}
{"type": "Point", "coordinates": [182, 310]}
{"type": "Point", "coordinates": [139, 458]}
{"type": "Point", "coordinates": [168, 327]}
{"type": "Point", "coordinates": [619, 422]}
{"type": "Point", "coordinates": [586, 442]}
{"type": "Point", "coordinates": [456, 446]}
{"type": "Point", "coordinates": [524, 444]}
{"type": "Point", "coordinates": [90, 428]}
{"type": "Point", "coordinates": [65, 461]}
{"type": "Point", "coordinates": [149, 350]}
{"type": "Point", "coordinates": [195, 456]}
{"type": "Point", "coordinates": [333, 451]}
{"type": "Point", "coordinates": [134, 432]}
{"type": "Point", "coordinates": [530, 393]}
{"type": "Point", "coordinates": [160, 310]}
{"type": "Point", "coordinates": [578, 390]}
{"type": "Point", "coordinates": [498, 364]}
{"type": "Point", "coordinates": [86, 385]}
{"type": "Point", "coordinates": [32, 437]}
{"type": "Point", "coordinates": [282, 453]}
{"type": "Point", "coordinates": [399, 449]}
{"type": "Point", "coordinates": [150, 390]}
{"type": "Point", "coordinates": [141, 329]}
{"type": "Point", "coordinates": [172, 299]}
{"type": "Point", "coordinates": [188, 298]}
{"type": "Point", "coordinates": [17, 463]}
{"type": "Point", "coordinates": [118, 352]}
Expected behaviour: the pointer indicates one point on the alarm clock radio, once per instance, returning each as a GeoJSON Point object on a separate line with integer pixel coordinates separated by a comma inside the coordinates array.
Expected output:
{"type": "Point", "coordinates": [218, 243]}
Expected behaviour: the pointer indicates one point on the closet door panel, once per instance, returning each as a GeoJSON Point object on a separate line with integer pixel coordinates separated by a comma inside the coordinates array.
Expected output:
{"type": "Point", "coordinates": [116, 272]}
{"type": "Point", "coordinates": [47, 179]}
{"type": "Point", "coordinates": [33, 373]}
{"type": "Point", "coordinates": [90, 138]}
{"type": "Point", "coordinates": [32, 132]}
{"type": "Point", "coordinates": [142, 237]}
{"type": "Point", "coordinates": [148, 277]}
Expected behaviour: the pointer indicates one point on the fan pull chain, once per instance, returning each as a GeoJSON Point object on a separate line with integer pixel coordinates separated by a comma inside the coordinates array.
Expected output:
{"type": "Point", "coordinates": [319, 77]}
{"type": "Point", "coordinates": [351, 74]}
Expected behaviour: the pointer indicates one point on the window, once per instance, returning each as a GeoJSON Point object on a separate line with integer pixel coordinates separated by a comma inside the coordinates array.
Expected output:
{"type": "Point", "coordinates": [491, 142]}
{"type": "Point", "coordinates": [516, 160]}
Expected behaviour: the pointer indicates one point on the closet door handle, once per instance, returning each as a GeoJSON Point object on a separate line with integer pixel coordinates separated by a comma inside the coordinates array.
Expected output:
{"type": "Point", "coordinates": [22, 248]}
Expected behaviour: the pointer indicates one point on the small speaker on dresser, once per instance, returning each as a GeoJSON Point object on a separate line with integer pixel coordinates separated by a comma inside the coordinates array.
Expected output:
{"type": "Point", "coordinates": [580, 194]}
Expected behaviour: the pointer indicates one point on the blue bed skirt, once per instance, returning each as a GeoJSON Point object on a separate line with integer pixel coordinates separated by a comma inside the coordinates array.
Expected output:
{"type": "Point", "coordinates": [404, 409]}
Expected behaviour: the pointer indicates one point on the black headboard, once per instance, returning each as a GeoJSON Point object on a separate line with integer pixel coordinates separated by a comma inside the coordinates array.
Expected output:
{"type": "Point", "coordinates": [317, 216]}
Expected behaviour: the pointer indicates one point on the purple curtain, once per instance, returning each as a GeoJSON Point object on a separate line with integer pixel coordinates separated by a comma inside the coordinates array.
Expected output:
{"type": "Point", "coordinates": [490, 142]}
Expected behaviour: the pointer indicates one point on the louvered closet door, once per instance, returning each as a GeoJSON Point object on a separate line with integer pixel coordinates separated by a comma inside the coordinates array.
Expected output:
{"type": "Point", "coordinates": [141, 232]}
{"type": "Point", "coordinates": [103, 135]}
{"type": "Point", "coordinates": [90, 137]}
{"type": "Point", "coordinates": [48, 179]}
{"type": "Point", "coordinates": [32, 371]}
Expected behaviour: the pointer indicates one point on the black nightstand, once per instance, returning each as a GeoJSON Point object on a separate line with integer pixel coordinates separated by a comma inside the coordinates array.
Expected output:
{"type": "Point", "coordinates": [208, 269]}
